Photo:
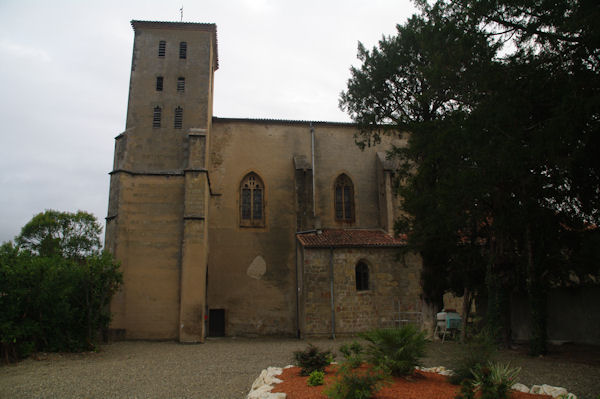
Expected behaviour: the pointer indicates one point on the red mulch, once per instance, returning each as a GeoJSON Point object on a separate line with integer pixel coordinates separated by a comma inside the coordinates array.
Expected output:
{"type": "Point", "coordinates": [420, 385]}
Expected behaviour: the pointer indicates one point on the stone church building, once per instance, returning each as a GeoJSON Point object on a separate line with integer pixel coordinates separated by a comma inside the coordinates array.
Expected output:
{"type": "Point", "coordinates": [229, 226]}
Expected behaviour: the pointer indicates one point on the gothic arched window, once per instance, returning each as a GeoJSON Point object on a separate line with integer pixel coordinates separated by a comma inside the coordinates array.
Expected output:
{"type": "Point", "coordinates": [362, 276]}
{"type": "Point", "coordinates": [344, 199]}
{"type": "Point", "coordinates": [252, 201]}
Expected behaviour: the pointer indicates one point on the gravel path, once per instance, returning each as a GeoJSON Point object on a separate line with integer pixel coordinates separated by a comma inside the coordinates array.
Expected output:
{"type": "Point", "coordinates": [223, 368]}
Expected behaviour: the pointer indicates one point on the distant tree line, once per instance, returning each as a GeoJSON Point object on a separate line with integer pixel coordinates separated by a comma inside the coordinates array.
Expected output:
{"type": "Point", "coordinates": [55, 286]}
{"type": "Point", "coordinates": [501, 177]}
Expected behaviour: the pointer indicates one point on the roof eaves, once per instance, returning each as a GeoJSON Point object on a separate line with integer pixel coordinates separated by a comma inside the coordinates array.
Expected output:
{"type": "Point", "coordinates": [283, 121]}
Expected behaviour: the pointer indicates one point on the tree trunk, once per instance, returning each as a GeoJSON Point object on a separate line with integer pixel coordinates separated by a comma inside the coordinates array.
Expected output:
{"type": "Point", "coordinates": [466, 311]}
{"type": "Point", "coordinates": [537, 303]}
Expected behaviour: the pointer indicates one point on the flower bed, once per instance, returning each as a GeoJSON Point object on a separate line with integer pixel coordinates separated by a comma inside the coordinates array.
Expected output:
{"type": "Point", "coordinates": [420, 385]}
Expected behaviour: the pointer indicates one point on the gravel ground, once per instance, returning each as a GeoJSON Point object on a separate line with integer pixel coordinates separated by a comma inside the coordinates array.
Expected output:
{"type": "Point", "coordinates": [225, 368]}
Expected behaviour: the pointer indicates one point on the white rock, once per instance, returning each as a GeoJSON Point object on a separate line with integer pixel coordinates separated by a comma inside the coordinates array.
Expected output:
{"type": "Point", "coordinates": [259, 381]}
{"type": "Point", "coordinates": [536, 389]}
{"type": "Point", "coordinates": [289, 366]}
{"type": "Point", "coordinates": [272, 372]}
{"type": "Point", "coordinates": [520, 387]}
{"type": "Point", "coordinates": [571, 396]}
{"type": "Point", "coordinates": [261, 388]}
{"type": "Point", "coordinates": [555, 392]}
{"type": "Point", "coordinates": [260, 392]}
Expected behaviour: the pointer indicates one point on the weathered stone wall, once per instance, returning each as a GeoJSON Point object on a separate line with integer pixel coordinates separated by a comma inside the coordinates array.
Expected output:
{"type": "Point", "coordinates": [164, 149]}
{"type": "Point", "coordinates": [148, 243]}
{"type": "Point", "coordinates": [157, 217]}
{"type": "Point", "coordinates": [393, 286]}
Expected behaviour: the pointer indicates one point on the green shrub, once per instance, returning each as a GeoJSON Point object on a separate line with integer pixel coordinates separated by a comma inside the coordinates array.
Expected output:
{"type": "Point", "coordinates": [396, 350]}
{"type": "Point", "coordinates": [316, 378]}
{"type": "Point", "coordinates": [53, 303]}
{"type": "Point", "coordinates": [493, 381]}
{"type": "Point", "coordinates": [353, 354]}
{"type": "Point", "coordinates": [466, 390]}
{"type": "Point", "coordinates": [312, 358]}
{"type": "Point", "coordinates": [476, 353]}
{"type": "Point", "coordinates": [353, 384]}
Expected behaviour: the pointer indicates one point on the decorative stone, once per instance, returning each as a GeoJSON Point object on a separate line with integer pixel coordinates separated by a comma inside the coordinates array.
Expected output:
{"type": "Point", "coordinates": [261, 388]}
{"type": "Point", "coordinates": [555, 392]}
{"type": "Point", "coordinates": [537, 389]}
{"type": "Point", "coordinates": [439, 370]}
{"type": "Point", "coordinates": [520, 387]}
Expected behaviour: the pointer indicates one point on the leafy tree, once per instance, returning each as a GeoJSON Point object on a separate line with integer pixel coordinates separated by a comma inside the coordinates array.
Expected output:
{"type": "Point", "coordinates": [426, 79]}
{"type": "Point", "coordinates": [425, 72]}
{"type": "Point", "coordinates": [55, 295]}
{"type": "Point", "coordinates": [500, 158]}
{"type": "Point", "coordinates": [66, 234]}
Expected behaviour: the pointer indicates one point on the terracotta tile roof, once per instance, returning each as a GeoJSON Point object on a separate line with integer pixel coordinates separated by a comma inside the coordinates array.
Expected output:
{"type": "Point", "coordinates": [347, 238]}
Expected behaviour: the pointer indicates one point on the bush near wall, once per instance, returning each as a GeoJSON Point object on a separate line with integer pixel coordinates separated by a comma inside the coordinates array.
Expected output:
{"type": "Point", "coordinates": [53, 303]}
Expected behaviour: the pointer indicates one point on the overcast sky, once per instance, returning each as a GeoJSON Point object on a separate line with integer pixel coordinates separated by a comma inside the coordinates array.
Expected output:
{"type": "Point", "coordinates": [64, 75]}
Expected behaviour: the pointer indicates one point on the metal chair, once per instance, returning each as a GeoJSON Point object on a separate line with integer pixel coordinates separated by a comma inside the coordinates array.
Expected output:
{"type": "Point", "coordinates": [447, 322]}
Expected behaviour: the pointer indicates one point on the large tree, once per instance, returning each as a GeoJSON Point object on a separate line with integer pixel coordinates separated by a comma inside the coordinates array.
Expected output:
{"type": "Point", "coordinates": [426, 80]}
{"type": "Point", "coordinates": [66, 234]}
{"type": "Point", "coordinates": [499, 162]}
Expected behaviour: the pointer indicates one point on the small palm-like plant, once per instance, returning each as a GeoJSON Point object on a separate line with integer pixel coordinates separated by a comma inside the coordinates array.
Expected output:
{"type": "Point", "coordinates": [396, 350]}
{"type": "Point", "coordinates": [495, 380]}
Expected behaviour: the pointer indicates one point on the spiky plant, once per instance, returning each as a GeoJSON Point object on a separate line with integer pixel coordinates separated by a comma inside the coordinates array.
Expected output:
{"type": "Point", "coordinates": [396, 350]}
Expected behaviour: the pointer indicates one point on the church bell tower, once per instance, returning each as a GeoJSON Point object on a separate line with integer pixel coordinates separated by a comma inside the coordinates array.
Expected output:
{"type": "Point", "coordinates": [159, 190]}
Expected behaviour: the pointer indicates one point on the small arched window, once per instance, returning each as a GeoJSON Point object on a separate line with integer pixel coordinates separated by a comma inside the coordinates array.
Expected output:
{"type": "Point", "coordinates": [362, 276]}
{"type": "Point", "coordinates": [344, 199]}
{"type": "Point", "coordinates": [252, 201]}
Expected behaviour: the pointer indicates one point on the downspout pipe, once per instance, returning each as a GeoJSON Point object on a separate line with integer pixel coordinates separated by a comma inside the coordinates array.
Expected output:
{"type": "Point", "coordinates": [312, 153]}
{"type": "Point", "coordinates": [299, 258]}
{"type": "Point", "coordinates": [331, 292]}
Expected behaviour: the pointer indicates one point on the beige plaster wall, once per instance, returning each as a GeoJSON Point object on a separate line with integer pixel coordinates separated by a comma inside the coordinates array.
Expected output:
{"type": "Point", "coordinates": [266, 303]}
{"type": "Point", "coordinates": [148, 236]}
{"type": "Point", "coordinates": [251, 270]}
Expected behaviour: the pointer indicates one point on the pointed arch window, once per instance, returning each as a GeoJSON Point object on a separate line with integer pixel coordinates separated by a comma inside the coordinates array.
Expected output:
{"type": "Point", "coordinates": [252, 201]}
{"type": "Point", "coordinates": [362, 276]}
{"type": "Point", "coordinates": [344, 199]}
